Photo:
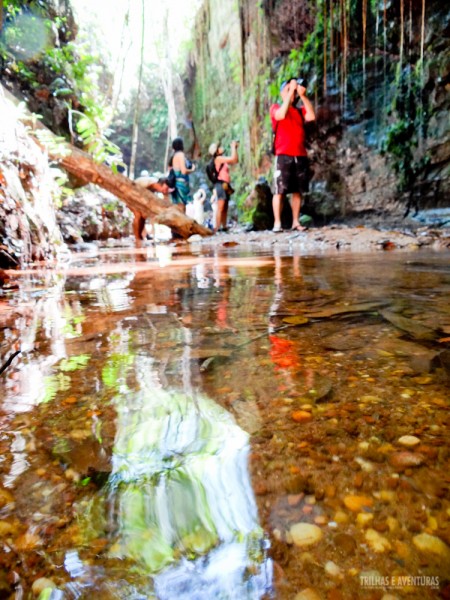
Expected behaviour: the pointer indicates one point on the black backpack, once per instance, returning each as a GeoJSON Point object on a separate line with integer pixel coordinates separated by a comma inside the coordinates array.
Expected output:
{"type": "Point", "coordinates": [212, 172]}
{"type": "Point", "coordinates": [171, 179]}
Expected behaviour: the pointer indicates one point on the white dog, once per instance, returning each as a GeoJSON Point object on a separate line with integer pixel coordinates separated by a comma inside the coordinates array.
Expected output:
{"type": "Point", "coordinates": [213, 201]}
{"type": "Point", "coordinates": [198, 211]}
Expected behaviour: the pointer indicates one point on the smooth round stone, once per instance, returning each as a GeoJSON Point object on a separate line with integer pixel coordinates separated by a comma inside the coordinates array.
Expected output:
{"type": "Point", "coordinates": [42, 584]}
{"type": "Point", "coordinates": [409, 440]}
{"type": "Point", "coordinates": [332, 569]}
{"type": "Point", "coordinates": [405, 460]}
{"type": "Point", "coordinates": [432, 544]}
{"type": "Point", "coordinates": [305, 534]}
{"type": "Point", "coordinates": [363, 519]}
{"type": "Point", "coordinates": [357, 503]}
{"type": "Point", "coordinates": [376, 541]}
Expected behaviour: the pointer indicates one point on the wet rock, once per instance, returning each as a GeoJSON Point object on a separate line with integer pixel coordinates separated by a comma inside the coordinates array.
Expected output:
{"type": "Point", "coordinates": [345, 544]}
{"type": "Point", "coordinates": [363, 519]}
{"type": "Point", "coordinates": [357, 503]}
{"type": "Point", "coordinates": [376, 541]}
{"type": "Point", "coordinates": [341, 517]}
{"type": "Point", "coordinates": [297, 484]}
{"type": "Point", "coordinates": [305, 534]}
{"type": "Point", "coordinates": [405, 460]}
{"type": "Point", "coordinates": [432, 545]}
{"type": "Point", "coordinates": [413, 328]}
{"type": "Point", "coordinates": [312, 385]}
{"type": "Point", "coordinates": [443, 361]}
{"type": "Point", "coordinates": [350, 339]}
{"type": "Point", "coordinates": [301, 416]}
{"type": "Point", "coordinates": [409, 440]}
{"type": "Point", "coordinates": [41, 584]}
{"type": "Point", "coordinates": [332, 569]}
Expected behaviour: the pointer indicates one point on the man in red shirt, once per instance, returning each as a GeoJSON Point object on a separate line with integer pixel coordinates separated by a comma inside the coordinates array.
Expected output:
{"type": "Point", "coordinates": [291, 160]}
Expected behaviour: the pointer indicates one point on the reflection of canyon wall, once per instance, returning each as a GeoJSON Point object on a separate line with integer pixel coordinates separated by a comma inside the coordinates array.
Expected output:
{"type": "Point", "coordinates": [181, 487]}
{"type": "Point", "coordinates": [382, 110]}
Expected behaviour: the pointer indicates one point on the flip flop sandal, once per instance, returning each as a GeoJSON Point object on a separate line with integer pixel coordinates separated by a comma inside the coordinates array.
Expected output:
{"type": "Point", "coordinates": [277, 230]}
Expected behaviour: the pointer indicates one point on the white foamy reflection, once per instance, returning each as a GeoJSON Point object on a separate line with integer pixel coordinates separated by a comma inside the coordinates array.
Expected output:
{"type": "Point", "coordinates": [20, 463]}
{"type": "Point", "coordinates": [112, 295]}
{"type": "Point", "coordinates": [181, 488]}
{"type": "Point", "coordinates": [46, 321]}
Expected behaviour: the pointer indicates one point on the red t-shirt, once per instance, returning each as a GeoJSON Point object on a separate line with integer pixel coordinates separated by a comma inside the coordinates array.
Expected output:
{"type": "Point", "coordinates": [290, 133]}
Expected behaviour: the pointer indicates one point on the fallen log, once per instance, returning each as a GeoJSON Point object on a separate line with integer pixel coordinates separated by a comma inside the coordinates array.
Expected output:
{"type": "Point", "coordinates": [81, 165]}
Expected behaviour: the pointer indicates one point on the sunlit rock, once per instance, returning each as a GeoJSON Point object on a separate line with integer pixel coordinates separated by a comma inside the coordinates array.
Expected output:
{"type": "Point", "coordinates": [305, 534]}
{"type": "Point", "coordinates": [432, 544]}
{"type": "Point", "coordinates": [363, 519]}
{"type": "Point", "coordinates": [357, 503]}
{"type": "Point", "coordinates": [406, 460]}
{"type": "Point", "coordinates": [409, 440]}
{"type": "Point", "coordinates": [376, 541]}
{"type": "Point", "coordinates": [332, 569]}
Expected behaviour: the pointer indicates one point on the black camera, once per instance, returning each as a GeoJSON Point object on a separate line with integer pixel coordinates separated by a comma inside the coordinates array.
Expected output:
{"type": "Point", "coordinates": [302, 81]}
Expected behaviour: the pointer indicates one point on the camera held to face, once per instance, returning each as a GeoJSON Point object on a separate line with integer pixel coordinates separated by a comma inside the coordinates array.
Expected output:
{"type": "Point", "coordinates": [302, 82]}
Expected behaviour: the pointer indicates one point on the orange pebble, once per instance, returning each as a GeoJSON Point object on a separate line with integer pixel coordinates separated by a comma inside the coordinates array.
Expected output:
{"type": "Point", "coordinates": [301, 416]}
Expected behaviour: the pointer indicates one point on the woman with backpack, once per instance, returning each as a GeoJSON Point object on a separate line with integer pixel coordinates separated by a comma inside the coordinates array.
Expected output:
{"type": "Point", "coordinates": [181, 167]}
{"type": "Point", "coordinates": [222, 184]}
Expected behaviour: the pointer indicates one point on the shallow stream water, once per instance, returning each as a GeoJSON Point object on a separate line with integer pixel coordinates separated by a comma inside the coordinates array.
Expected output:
{"type": "Point", "coordinates": [222, 423]}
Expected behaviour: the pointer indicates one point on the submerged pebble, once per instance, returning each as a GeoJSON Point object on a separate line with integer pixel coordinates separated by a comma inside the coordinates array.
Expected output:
{"type": "Point", "coordinates": [409, 440]}
{"type": "Point", "coordinates": [305, 534]}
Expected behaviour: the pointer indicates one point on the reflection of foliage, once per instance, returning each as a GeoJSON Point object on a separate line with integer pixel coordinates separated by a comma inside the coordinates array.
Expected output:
{"type": "Point", "coordinates": [59, 382]}
{"type": "Point", "coordinates": [116, 368]}
{"type": "Point", "coordinates": [72, 321]}
{"type": "Point", "coordinates": [74, 362]}
{"type": "Point", "coordinates": [54, 384]}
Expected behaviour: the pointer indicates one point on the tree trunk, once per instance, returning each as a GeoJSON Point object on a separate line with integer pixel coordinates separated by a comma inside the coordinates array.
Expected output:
{"type": "Point", "coordinates": [135, 134]}
{"type": "Point", "coordinates": [136, 197]}
{"type": "Point", "coordinates": [81, 165]}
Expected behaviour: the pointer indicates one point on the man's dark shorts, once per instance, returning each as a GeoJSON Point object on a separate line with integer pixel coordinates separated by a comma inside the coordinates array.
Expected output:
{"type": "Point", "coordinates": [291, 174]}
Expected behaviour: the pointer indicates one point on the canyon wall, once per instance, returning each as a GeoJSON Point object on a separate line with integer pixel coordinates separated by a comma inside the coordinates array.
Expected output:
{"type": "Point", "coordinates": [379, 76]}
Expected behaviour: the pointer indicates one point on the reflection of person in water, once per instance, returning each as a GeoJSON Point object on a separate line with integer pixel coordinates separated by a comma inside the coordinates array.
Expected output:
{"type": "Point", "coordinates": [283, 352]}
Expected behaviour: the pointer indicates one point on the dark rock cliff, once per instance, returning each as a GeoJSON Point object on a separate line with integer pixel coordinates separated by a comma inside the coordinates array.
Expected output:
{"type": "Point", "coordinates": [379, 75]}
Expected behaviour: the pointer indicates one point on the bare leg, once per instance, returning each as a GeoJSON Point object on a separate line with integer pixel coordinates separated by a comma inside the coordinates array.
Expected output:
{"type": "Point", "coordinates": [224, 214]}
{"type": "Point", "coordinates": [138, 226]}
{"type": "Point", "coordinates": [295, 204]}
{"type": "Point", "coordinates": [219, 215]}
{"type": "Point", "coordinates": [276, 206]}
